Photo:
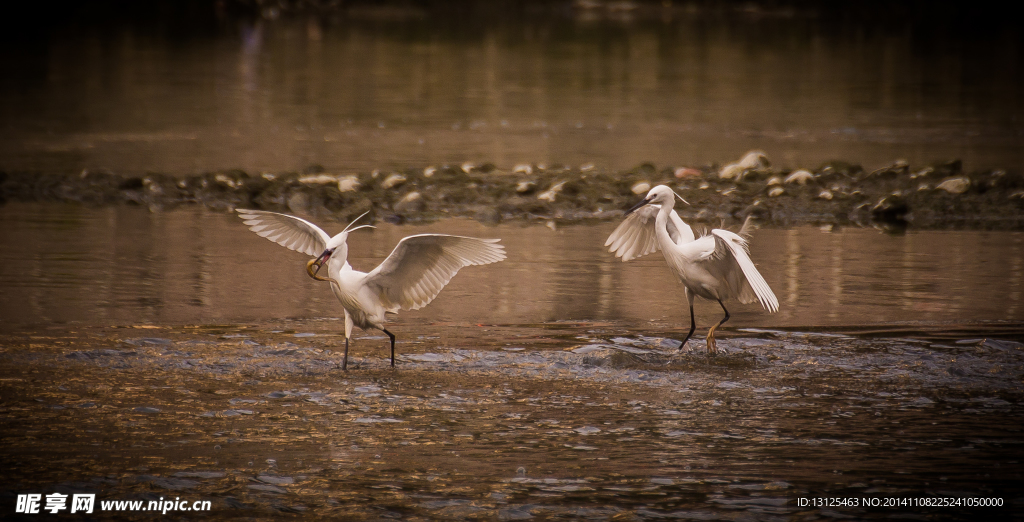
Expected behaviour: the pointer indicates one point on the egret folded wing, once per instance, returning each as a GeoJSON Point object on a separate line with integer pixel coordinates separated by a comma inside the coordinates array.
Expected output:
{"type": "Point", "coordinates": [421, 265]}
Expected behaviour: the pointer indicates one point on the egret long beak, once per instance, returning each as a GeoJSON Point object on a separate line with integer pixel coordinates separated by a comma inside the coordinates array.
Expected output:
{"type": "Point", "coordinates": [318, 263]}
{"type": "Point", "coordinates": [638, 205]}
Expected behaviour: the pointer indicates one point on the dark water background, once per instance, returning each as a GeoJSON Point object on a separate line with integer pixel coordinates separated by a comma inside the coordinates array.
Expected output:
{"type": "Point", "coordinates": [196, 87]}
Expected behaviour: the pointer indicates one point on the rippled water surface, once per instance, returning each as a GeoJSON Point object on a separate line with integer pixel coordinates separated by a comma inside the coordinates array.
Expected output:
{"type": "Point", "coordinates": [177, 355]}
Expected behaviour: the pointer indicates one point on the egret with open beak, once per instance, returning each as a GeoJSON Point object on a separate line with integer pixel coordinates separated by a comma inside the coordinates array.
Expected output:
{"type": "Point", "coordinates": [410, 278]}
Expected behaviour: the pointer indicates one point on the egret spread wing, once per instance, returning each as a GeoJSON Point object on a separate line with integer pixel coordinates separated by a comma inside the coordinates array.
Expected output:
{"type": "Point", "coordinates": [421, 265]}
{"type": "Point", "coordinates": [288, 231]}
{"type": "Point", "coordinates": [739, 271]}
{"type": "Point", "coordinates": [637, 236]}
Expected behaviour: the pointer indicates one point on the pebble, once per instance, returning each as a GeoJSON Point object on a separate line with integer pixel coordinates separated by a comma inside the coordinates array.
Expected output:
{"type": "Point", "coordinates": [318, 179]}
{"type": "Point", "coordinates": [641, 188]}
{"type": "Point", "coordinates": [348, 183]}
{"type": "Point", "coordinates": [525, 186]}
{"type": "Point", "coordinates": [776, 191]}
{"type": "Point", "coordinates": [686, 172]}
{"type": "Point", "coordinates": [551, 194]}
{"type": "Point", "coordinates": [752, 160]}
{"type": "Point", "coordinates": [957, 185]}
{"type": "Point", "coordinates": [800, 177]}
{"type": "Point", "coordinates": [411, 202]}
{"type": "Point", "coordinates": [393, 180]}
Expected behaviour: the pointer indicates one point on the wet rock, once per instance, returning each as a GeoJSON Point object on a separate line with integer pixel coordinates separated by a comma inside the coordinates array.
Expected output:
{"type": "Point", "coordinates": [891, 207]}
{"type": "Point", "coordinates": [641, 188]}
{"type": "Point", "coordinates": [523, 168]}
{"type": "Point", "coordinates": [410, 203]}
{"type": "Point", "coordinates": [923, 173]}
{"type": "Point", "coordinates": [897, 169]}
{"type": "Point", "coordinates": [992, 198]}
{"type": "Point", "coordinates": [318, 179]}
{"type": "Point", "coordinates": [686, 172]}
{"type": "Point", "coordinates": [751, 161]}
{"type": "Point", "coordinates": [348, 183]}
{"type": "Point", "coordinates": [800, 177]}
{"type": "Point", "coordinates": [393, 180]}
{"type": "Point", "coordinates": [957, 185]}
{"type": "Point", "coordinates": [551, 194]}
{"type": "Point", "coordinates": [525, 187]}
{"type": "Point", "coordinates": [776, 191]}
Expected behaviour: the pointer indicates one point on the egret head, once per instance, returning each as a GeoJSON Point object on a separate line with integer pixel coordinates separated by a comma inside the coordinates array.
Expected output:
{"type": "Point", "coordinates": [336, 247]}
{"type": "Point", "coordinates": [660, 195]}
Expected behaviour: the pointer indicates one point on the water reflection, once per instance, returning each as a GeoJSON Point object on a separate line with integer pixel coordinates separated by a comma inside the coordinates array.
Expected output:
{"type": "Point", "coordinates": [128, 265]}
{"type": "Point", "coordinates": [360, 91]}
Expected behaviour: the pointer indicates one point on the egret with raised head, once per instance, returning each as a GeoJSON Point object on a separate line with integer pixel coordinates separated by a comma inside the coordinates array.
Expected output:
{"type": "Point", "coordinates": [715, 266]}
{"type": "Point", "coordinates": [410, 278]}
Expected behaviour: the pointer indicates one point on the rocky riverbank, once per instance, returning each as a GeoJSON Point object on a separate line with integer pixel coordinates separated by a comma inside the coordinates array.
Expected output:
{"type": "Point", "coordinates": [942, 195]}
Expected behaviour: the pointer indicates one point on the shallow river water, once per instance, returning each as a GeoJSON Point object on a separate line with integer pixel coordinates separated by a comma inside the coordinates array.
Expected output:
{"type": "Point", "coordinates": [176, 355]}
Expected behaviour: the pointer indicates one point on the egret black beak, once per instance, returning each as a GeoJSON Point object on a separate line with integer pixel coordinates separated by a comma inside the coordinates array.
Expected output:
{"type": "Point", "coordinates": [638, 205]}
{"type": "Point", "coordinates": [318, 263]}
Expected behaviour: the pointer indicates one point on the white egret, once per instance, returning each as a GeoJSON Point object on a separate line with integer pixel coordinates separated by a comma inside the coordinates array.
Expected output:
{"type": "Point", "coordinates": [716, 266]}
{"type": "Point", "coordinates": [410, 278]}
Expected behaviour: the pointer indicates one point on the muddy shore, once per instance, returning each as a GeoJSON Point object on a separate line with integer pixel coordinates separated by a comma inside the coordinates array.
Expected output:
{"type": "Point", "coordinates": [938, 196]}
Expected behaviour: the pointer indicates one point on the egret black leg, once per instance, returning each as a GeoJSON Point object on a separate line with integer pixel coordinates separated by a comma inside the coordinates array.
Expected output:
{"type": "Point", "coordinates": [693, 326]}
{"type": "Point", "coordinates": [344, 360]}
{"type": "Point", "coordinates": [712, 347]}
{"type": "Point", "coordinates": [392, 336]}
